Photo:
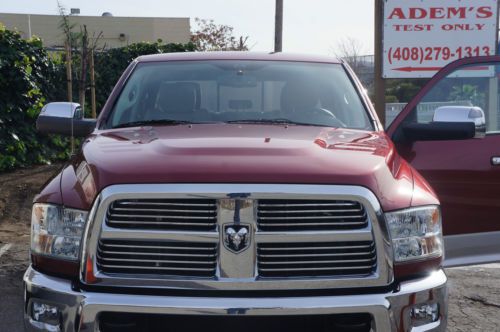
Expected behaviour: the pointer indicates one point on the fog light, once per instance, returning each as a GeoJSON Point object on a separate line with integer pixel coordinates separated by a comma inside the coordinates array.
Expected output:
{"type": "Point", "coordinates": [45, 316]}
{"type": "Point", "coordinates": [424, 313]}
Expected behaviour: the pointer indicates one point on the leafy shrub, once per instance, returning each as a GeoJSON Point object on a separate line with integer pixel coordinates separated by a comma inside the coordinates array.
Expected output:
{"type": "Point", "coordinates": [28, 79]}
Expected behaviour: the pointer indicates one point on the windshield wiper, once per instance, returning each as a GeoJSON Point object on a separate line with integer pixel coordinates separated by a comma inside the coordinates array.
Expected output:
{"type": "Point", "coordinates": [274, 121]}
{"type": "Point", "coordinates": [152, 122]}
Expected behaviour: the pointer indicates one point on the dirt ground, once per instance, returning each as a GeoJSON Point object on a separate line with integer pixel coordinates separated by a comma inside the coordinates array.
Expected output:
{"type": "Point", "coordinates": [474, 291]}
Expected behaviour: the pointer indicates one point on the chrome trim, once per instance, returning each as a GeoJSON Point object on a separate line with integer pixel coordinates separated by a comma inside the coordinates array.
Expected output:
{"type": "Point", "coordinates": [109, 233]}
{"type": "Point", "coordinates": [240, 271]}
{"type": "Point", "coordinates": [316, 236]}
{"type": "Point", "coordinates": [81, 309]}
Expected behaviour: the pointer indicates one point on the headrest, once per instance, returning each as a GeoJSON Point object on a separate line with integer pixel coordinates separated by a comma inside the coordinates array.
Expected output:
{"type": "Point", "coordinates": [178, 98]}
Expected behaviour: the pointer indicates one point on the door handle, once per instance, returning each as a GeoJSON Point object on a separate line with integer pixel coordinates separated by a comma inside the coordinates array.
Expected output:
{"type": "Point", "coordinates": [495, 161]}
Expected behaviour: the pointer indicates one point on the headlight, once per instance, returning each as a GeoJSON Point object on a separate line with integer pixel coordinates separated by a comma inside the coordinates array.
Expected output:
{"type": "Point", "coordinates": [415, 233]}
{"type": "Point", "coordinates": [57, 231]}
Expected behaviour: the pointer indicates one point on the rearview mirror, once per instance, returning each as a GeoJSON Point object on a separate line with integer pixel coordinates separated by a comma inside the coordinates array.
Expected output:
{"type": "Point", "coordinates": [64, 118]}
{"type": "Point", "coordinates": [462, 114]}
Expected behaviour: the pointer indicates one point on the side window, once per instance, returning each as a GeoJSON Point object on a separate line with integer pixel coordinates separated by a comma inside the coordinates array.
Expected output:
{"type": "Point", "coordinates": [468, 94]}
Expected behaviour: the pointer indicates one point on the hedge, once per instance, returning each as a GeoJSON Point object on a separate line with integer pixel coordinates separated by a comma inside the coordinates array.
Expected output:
{"type": "Point", "coordinates": [30, 78]}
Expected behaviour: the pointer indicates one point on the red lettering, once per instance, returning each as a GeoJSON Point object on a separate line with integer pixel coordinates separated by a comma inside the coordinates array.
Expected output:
{"type": "Point", "coordinates": [398, 13]}
{"type": "Point", "coordinates": [484, 12]}
{"type": "Point", "coordinates": [437, 12]}
{"type": "Point", "coordinates": [417, 13]}
{"type": "Point", "coordinates": [459, 12]}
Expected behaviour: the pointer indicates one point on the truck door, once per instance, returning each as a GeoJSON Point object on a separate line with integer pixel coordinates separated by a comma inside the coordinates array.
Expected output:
{"type": "Point", "coordinates": [450, 133]}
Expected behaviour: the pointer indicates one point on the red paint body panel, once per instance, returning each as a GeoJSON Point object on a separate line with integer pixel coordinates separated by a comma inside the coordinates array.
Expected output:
{"type": "Point", "coordinates": [461, 174]}
{"type": "Point", "coordinates": [51, 191]}
{"type": "Point", "coordinates": [224, 153]}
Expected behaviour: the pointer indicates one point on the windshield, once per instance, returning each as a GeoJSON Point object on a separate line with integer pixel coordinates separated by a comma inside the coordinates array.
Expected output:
{"type": "Point", "coordinates": [239, 92]}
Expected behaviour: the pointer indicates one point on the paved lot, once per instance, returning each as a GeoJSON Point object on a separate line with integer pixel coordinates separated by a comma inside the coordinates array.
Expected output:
{"type": "Point", "coordinates": [474, 291]}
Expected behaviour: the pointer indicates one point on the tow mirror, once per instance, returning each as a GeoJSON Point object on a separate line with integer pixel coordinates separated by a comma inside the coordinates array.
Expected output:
{"type": "Point", "coordinates": [463, 114]}
{"type": "Point", "coordinates": [64, 118]}
{"type": "Point", "coordinates": [449, 123]}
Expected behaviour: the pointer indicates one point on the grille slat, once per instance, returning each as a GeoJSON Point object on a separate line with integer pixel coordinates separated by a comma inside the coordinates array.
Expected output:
{"type": "Point", "coordinates": [312, 224]}
{"type": "Point", "coordinates": [159, 261]}
{"type": "Point", "coordinates": [163, 214]}
{"type": "Point", "coordinates": [156, 254]}
{"type": "Point", "coordinates": [165, 203]}
{"type": "Point", "coordinates": [298, 269]}
{"type": "Point", "coordinates": [134, 246]}
{"type": "Point", "coordinates": [157, 216]}
{"type": "Point", "coordinates": [155, 269]}
{"type": "Point", "coordinates": [158, 258]}
{"type": "Point", "coordinates": [304, 204]}
{"type": "Point", "coordinates": [310, 215]}
{"type": "Point", "coordinates": [311, 211]}
{"type": "Point", "coordinates": [121, 223]}
{"type": "Point", "coordinates": [262, 248]}
{"type": "Point", "coordinates": [316, 259]}
{"type": "Point", "coordinates": [161, 210]}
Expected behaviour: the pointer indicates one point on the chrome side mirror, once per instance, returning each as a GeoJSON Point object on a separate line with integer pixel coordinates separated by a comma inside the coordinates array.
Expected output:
{"type": "Point", "coordinates": [472, 114]}
{"type": "Point", "coordinates": [63, 110]}
{"type": "Point", "coordinates": [64, 118]}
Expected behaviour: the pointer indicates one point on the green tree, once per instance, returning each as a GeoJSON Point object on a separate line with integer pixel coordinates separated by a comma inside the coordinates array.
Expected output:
{"type": "Point", "coordinates": [209, 36]}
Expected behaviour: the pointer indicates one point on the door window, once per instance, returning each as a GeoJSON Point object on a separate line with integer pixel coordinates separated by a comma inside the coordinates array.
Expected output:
{"type": "Point", "coordinates": [468, 94]}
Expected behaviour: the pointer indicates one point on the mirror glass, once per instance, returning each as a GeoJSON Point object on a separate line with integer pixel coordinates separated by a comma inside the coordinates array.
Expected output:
{"type": "Point", "coordinates": [63, 110]}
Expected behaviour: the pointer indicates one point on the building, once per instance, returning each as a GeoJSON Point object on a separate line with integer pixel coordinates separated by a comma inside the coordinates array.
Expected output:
{"type": "Point", "coordinates": [116, 31]}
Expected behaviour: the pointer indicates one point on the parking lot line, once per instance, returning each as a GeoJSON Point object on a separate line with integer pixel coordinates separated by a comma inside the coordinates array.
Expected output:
{"type": "Point", "coordinates": [4, 248]}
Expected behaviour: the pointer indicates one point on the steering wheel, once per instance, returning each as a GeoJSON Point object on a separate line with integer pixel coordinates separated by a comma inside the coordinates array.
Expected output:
{"type": "Point", "coordinates": [325, 112]}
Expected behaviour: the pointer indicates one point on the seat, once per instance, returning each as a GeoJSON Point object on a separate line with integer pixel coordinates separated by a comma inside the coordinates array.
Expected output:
{"type": "Point", "coordinates": [177, 100]}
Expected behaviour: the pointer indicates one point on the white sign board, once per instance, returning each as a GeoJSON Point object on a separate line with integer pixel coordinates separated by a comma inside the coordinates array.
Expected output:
{"type": "Point", "coordinates": [421, 37]}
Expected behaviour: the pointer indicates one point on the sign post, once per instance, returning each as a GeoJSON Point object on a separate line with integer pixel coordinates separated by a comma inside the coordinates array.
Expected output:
{"type": "Point", "coordinates": [379, 82]}
{"type": "Point", "coordinates": [421, 37]}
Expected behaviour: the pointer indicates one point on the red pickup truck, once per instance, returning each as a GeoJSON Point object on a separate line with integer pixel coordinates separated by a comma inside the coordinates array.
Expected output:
{"type": "Point", "coordinates": [248, 191]}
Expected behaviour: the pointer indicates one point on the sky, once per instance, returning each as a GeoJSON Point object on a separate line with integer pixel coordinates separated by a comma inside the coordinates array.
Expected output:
{"type": "Point", "coordinates": [309, 26]}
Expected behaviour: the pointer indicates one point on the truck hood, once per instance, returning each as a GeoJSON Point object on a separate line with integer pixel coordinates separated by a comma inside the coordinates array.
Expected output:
{"type": "Point", "coordinates": [232, 153]}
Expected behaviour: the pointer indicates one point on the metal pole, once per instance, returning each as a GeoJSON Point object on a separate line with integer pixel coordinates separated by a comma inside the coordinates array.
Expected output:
{"type": "Point", "coordinates": [92, 84]}
{"type": "Point", "coordinates": [70, 90]}
{"type": "Point", "coordinates": [379, 82]}
{"type": "Point", "coordinates": [29, 26]}
{"type": "Point", "coordinates": [278, 27]}
{"type": "Point", "coordinates": [69, 78]}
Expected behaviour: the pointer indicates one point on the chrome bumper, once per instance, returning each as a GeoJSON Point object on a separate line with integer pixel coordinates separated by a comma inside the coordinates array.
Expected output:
{"type": "Point", "coordinates": [390, 311]}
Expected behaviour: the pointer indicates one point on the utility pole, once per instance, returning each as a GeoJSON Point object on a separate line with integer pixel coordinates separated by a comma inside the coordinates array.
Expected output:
{"type": "Point", "coordinates": [278, 27]}
{"type": "Point", "coordinates": [379, 81]}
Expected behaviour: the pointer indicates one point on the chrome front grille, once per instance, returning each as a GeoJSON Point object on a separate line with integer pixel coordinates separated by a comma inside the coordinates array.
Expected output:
{"type": "Point", "coordinates": [168, 214]}
{"type": "Point", "coordinates": [157, 258]}
{"type": "Point", "coordinates": [316, 259]}
{"type": "Point", "coordinates": [236, 237]}
{"type": "Point", "coordinates": [304, 215]}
